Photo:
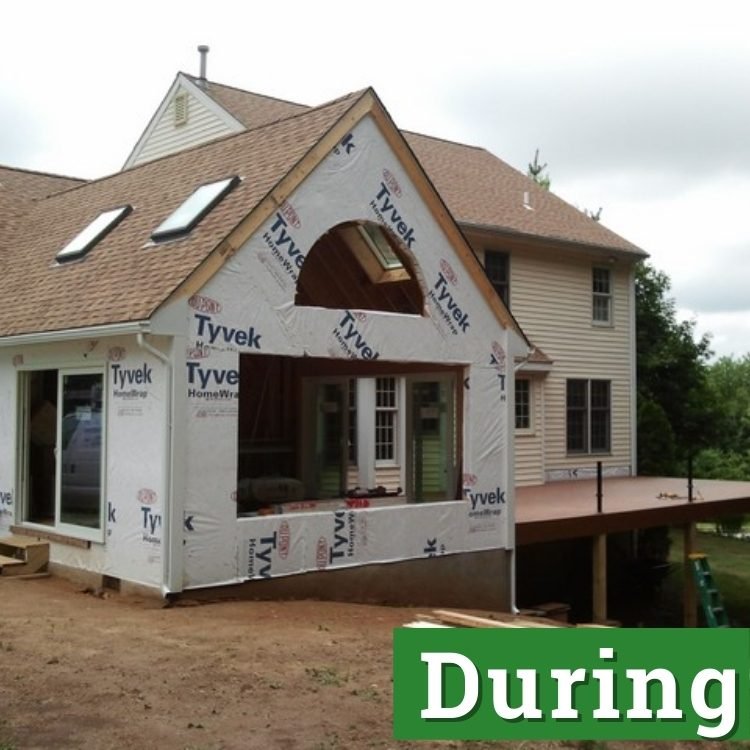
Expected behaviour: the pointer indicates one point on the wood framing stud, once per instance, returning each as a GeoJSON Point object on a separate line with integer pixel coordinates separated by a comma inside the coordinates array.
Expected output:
{"type": "Point", "coordinates": [599, 566]}
{"type": "Point", "coordinates": [690, 594]}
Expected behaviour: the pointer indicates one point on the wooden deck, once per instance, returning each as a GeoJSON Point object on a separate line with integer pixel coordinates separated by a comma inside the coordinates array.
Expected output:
{"type": "Point", "coordinates": [566, 510]}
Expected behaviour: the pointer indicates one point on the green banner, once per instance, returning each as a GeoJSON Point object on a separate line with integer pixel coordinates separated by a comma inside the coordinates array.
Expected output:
{"type": "Point", "coordinates": [568, 683]}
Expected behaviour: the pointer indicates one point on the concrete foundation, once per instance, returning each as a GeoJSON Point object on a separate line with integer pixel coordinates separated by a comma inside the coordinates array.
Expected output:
{"type": "Point", "coordinates": [476, 580]}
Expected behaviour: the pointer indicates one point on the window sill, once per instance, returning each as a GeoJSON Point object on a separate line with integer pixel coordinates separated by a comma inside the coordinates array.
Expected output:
{"type": "Point", "coordinates": [51, 536]}
{"type": "Point", "coordinates": [602, 324]}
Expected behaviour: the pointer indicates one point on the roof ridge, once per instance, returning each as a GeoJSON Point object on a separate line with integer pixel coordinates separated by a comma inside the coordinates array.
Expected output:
{"type": "Point", "coordinates": [446, 140]}
{"type": "Point", "coordinates": [42, 174]}
{"type": "Point", "coordinates": [195, 80]}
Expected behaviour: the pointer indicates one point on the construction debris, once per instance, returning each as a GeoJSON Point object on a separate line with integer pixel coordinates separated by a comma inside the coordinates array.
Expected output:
{"type": "Point", "coordinates": [445, 618]}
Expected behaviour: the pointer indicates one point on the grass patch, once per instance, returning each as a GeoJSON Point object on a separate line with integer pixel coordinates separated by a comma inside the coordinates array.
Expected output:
{"type": "Point", "coordinates": [730, 564]}
{"type": "Point", "coordinates": [325, 676]}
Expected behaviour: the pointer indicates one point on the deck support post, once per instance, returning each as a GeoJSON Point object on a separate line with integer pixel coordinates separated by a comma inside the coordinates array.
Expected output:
{"type": "Point", "coordinates": [690, 594]}
{"type": "Point", "coordinates": [599, 578]}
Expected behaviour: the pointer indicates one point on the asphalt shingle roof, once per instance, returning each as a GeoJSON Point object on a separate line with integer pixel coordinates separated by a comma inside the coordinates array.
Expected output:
{"type": "Point", "coordinates": [19, 190]}
{"type": "Point", "coordinates": [478, 188]}
{"type": "Point", "coordinates": [125, 277]}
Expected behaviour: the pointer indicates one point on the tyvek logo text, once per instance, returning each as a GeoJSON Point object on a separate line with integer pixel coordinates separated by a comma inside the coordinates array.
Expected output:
{"type": "Point", "coordinates": [6, 503]}
{"type": "Point", "coordinates": [221, 334]}
{"type": "Point", "coordinates": [386, 210]}
{"type": "Point", "coordinates": [260, 555]}
{"type": "Point", "coordinates": [284, 247]}
{"type": "Point", "coordinates": [125, 380]}
{"type": "Point", "coordinates": [351, 339]}
{"type": "Point", "coordinates": [447, 306]}
{"type": "Point", "coordinates": [487, 503]}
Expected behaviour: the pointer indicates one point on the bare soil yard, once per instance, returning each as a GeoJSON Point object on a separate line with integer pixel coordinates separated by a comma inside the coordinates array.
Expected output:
{"type": "Point", "coordinates": [80, 671]}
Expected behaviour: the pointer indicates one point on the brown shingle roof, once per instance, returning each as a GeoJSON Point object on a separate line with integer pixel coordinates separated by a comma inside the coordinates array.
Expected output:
{"type": "Point", "coordinates": [124, 278]}
{"type": "Point", "coordinates": [252, 110]}
{"type": "Point", "coordinates": [482, 190]}
{"type": "Point", "coordinates": [478, 188]}
{"type": "Point", "coordinates": [19, 189]}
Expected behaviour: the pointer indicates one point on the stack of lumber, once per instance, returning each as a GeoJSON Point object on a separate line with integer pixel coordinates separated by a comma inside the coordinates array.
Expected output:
{"type": "Point", "coordinates": [446, 618]}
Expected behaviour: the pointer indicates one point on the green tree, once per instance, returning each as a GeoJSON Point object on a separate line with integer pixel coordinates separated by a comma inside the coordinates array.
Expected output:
{"type": "Point", "coordinates": [729, 457]}
{"type": "Point", "coordinates": [729, 381]}
{"type": "Point", "coordinates": [537, 172]}
{"type": "Point", "coordinates": [677, 415]}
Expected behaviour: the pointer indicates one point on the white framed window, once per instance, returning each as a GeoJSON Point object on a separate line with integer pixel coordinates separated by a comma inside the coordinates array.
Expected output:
{"type": "Point", "coordinates": [63, 428]}
{"type": "Point", "coordinates": [589, 416]}
{"type": "Point", "coordinates": [386, 421]}
{"type": "Point", "coordinates": [523, 404]}
{"type": "Point", "coordinates": [601, 302]}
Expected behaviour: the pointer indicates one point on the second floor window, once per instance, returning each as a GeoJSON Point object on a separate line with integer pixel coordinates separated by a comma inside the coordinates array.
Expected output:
{"type": "Point", "coordinates": [497, 267]}
{"type": "Point", "coordinates": [589, 409]}
{"type": "Point", "coordinates": [601, 296]}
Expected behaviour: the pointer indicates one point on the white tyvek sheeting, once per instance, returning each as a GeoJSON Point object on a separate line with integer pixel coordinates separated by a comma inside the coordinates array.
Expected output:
{"type": "Point", "coordinates": [136, 455]}
{"type": "Point", "coordinates": [8, 400]}
{"type": "Point", "coordinates": [135, 388]}
{"type": "Point", "coordinates": [249, 307]}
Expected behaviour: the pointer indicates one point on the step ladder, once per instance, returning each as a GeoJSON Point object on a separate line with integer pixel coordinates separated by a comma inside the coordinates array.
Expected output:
{"type": "Point", "coordinates": [23, 556]}
{"type": "Point", "coordinates": [711, 601]}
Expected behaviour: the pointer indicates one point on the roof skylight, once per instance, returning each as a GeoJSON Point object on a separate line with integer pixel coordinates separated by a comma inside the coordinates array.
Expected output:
{"type": "Point", "coordinates": [99, 228]}
{"type": "Point", "coordinates": [380, 247]}
{"type": "Point", "coordinates": [374, 250]}
{"type": "Point", "coordinates": [193, 209]}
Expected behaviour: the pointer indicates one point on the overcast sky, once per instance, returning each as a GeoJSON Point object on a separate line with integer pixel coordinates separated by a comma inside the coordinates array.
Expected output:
{"type": "Point", "coordinates": [640, 107]}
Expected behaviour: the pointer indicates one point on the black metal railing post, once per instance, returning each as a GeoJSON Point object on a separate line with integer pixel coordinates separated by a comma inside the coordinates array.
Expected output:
{"type": "Point", "coordinates": [598, 486]}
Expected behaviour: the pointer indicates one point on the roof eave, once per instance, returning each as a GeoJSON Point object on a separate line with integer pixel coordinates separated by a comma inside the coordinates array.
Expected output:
{"type": "Point", "coordinates": [554, 242]}
{"type": "Point", "coordinates": [71, 334]}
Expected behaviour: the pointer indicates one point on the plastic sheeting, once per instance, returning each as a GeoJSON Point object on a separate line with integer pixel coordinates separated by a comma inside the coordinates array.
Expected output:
{"type": "Point", "coordinates": [130, 543]}
{"type": "Point", "coordinates": [248, 307]}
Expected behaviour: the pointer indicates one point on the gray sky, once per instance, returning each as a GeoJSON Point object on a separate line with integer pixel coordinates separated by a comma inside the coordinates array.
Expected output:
{"type": "Point", "coordinates": [639, 107]}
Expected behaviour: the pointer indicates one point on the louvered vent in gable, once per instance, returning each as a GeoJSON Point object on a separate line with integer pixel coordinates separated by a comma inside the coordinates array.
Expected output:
{"type": "Point", "coordinates": [181, 108]}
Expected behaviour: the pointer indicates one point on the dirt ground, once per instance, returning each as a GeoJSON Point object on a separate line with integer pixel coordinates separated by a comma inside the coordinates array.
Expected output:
{"type": "Point", "coordinates": [81, 671]}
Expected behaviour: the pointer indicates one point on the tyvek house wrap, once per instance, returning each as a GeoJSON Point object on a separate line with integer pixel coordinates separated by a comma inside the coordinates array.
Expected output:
{"type": "Point", "coordinates": [133, 448]}
{"type": "Point", "coordinates": [7, 439]}
{"type": "Point", "coordinates": [248, 307]}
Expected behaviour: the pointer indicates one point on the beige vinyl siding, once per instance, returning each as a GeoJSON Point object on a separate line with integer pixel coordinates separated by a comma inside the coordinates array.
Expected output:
{"type": "Point", "coordinates": [529, 444]}
{"type": "Point", "coordinates": [551, 297]}
{"type": "Point", "coordinates": [388, 477]}
{"type": "Point", "coordinates": [167, 138]}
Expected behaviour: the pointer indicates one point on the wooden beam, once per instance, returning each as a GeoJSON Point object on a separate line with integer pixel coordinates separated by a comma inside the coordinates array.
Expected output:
{"type": "Point", "coordinates": [472, 621]}
{"type": "Point", "coordinates": [599, 578]}
{"type": "Point", "coordinates": [690, 593]}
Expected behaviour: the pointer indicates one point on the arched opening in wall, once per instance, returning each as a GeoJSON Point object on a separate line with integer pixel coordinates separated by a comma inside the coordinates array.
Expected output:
{"type": "Point", "coordinates": [363, 266]}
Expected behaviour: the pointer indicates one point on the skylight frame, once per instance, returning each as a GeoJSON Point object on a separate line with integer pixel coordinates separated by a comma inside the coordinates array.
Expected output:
{"type": "Point", "coordinates": [194, 209]}
{"type": "Point", "coordinates": [93, 233]}
{"type": "Point", "coordinates": [362, 239]}
{"type": "Point", "coordinates": [377, 241]}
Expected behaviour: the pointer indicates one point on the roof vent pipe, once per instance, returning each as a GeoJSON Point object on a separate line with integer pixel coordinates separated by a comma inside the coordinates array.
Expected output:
{"type": "Point", "coordinates": [203, 50]}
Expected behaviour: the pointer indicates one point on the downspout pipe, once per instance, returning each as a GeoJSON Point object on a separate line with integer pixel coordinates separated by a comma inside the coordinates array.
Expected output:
{"type": "Point", "coordinates": [168, 522]}
{"type": "Point", "coordinates": [511, 426]}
